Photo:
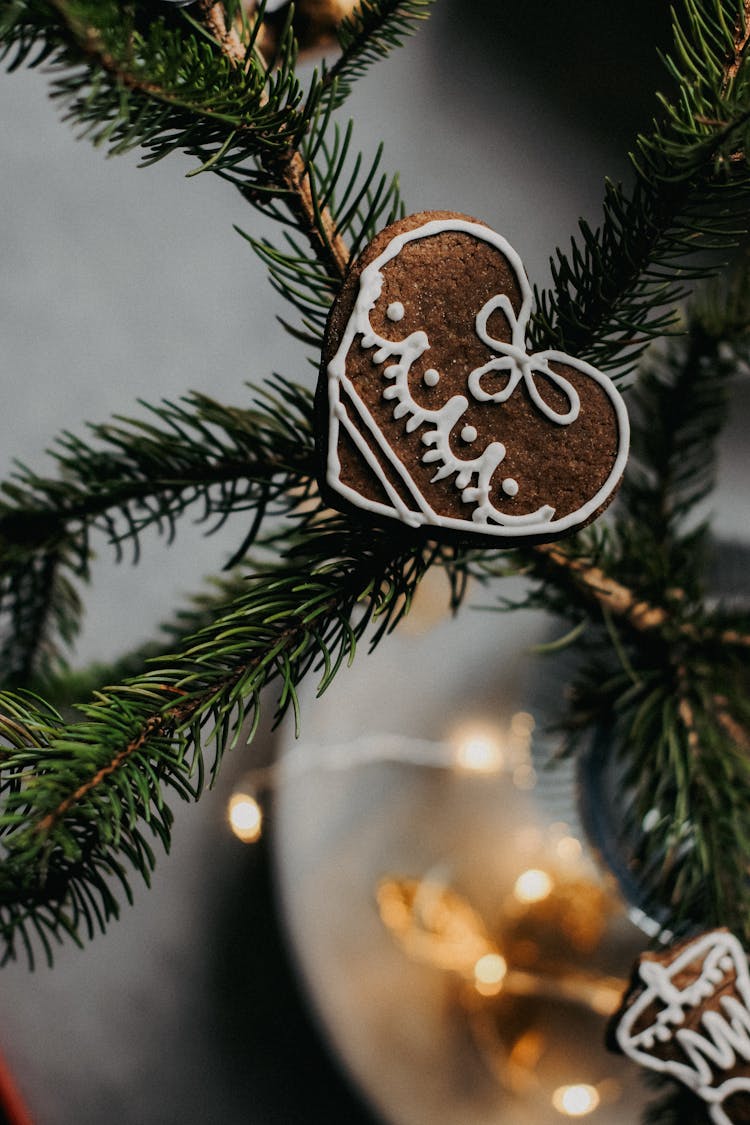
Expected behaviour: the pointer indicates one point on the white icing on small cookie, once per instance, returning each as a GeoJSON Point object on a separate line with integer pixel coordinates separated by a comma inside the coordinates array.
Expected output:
{"type": "Point", "coordinates": [472, 476]}
{"type": "Point", "coordinates": [659, 1013]}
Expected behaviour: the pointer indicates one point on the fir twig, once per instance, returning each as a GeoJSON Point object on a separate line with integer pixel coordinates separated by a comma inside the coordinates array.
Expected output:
{"type": "Point", "coordinates": [80, 799]}
{"type": "Point", "coordinates": [617, 290]}
{"type": "Point", "coordinates": [674, 701]}
{"type": "Point", "coordinates": [131, 475]}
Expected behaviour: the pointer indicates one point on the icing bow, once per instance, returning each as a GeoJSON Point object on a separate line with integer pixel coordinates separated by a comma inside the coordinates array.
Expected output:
{"type": "Point", "coordinates": [514, 360]}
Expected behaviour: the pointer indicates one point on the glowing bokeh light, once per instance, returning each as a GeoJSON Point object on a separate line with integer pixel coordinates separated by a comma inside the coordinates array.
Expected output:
{"type": "Point", "coordinates": [532, 885]}
{"type": "Point", "coordinates": [522, 724]}
{"type": "Point", "coordinates": [489, 973]}
{"type": "Point", "coordinates": [245, 817]}
{"type": "Point", "coordinates": [576, 1101]}
{"type": "Point", "coordinates": [569, 849]}
{"type": "Point", "coordinates": [479, 751]}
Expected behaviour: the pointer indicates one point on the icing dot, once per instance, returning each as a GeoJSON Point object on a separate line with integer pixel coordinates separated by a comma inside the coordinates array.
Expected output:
{"type": "Point", "coordinates": [510, 486]}
{"type": "Point", "coordinates": [395, 311]}
{"type": "Point", "coordinates": [468, 433]}
{"type": "Point", "coordinates": [431, 377]}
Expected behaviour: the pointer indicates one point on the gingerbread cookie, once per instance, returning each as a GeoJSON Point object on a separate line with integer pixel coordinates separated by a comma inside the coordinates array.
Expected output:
{"type": "Point", "coordinates": [432, 411]}
{"type": "Point", "coordinates": [687, 1016]}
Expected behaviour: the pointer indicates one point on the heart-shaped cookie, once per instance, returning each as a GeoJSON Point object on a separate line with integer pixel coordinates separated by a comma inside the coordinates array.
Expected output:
{"type": "Point", "coordinates": [432, 410]}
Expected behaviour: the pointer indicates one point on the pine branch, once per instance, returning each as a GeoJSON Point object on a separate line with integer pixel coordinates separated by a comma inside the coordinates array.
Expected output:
{"type": "Point", "coordinates": [79, 800]}
{"type": "Point", "coordinates": [616, 291]}
{"type": "Point", "coordinates": [137, 475]}
{"type": "Point", "coordinates": [671, 703]}
{"type": "Point", "coordinates": [371, 32]}
{"type": "Point", "coordinates": [63, 688]}
{"type": "Point", "coordinates": [40, 611]}
{"type": "Point", "coordinates": [681, 741]}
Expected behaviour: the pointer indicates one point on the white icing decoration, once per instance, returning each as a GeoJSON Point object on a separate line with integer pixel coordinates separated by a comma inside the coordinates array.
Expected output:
{"type": "Point", "coordinates": [725, 1029]}
{"type": "Point", "coordinates": [510, 486]}
{"type": "Point", "coordinates": [468, 434]}
{"type": "Point", "coordinates": [473, 475]}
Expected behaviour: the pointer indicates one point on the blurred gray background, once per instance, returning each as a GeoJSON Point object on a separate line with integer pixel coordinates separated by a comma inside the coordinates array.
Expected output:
{"type": "Point", "coordinates": [119, 283]}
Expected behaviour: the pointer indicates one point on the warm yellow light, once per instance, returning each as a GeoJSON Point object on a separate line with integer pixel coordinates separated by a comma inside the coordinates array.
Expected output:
{"type": "Point", "coordinates": [532, 885]}
{"type": "Point", "coordinates": [575, 1101]}
{"type": "Point", "coordinates": [569, 849]}
{"type": "Point", "coordinates": [245, 817]}
{"type": "Point", "coordinates": [479, 752]}
{"type": "Point", "coordinates": [606, 998]}
{"type": "Point", "coordinates": [489, 973]}
{"type": "Point", "coordinates": [522, 724]}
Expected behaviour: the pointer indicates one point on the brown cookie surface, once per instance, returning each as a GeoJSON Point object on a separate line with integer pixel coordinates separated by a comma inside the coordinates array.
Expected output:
{"type": "Point", "coordinates": [434, 414]}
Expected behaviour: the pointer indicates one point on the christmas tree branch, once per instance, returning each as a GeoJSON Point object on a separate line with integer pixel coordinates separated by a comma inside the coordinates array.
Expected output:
{"type": "Point", "coordinates": [81, 798]}
{"type": "Point", "coordinates": [671, 705]}
{"type": "Point", "coordinates": [139, 475]}
{"type": "Point", "coordinates": [740, 41]}
{"type": "Point", "coordinates": [611, 294]}
{"type": "Point", "coordinates": [372, 30]}
{"type": "Point", "coordinates": [94, 786]}
{"type": "Point", "coordinates": [225, 458]}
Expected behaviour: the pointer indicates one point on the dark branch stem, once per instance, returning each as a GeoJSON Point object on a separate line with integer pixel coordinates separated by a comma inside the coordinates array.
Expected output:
{"type": "Point", "coordinates": [741, 40]}
{"type": "Point", "coordinates": [40, 528]}
{"type": "Point", "coordinates": [288, 170]}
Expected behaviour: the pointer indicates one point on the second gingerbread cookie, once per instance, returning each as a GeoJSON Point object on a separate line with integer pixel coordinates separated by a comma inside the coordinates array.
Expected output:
{"type": "Point", "coordinates": [433, 412]}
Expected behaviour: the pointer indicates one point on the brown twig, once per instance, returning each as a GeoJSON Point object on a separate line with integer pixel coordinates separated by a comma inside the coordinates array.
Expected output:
{"type": "Point", "coordinates": [155, 726]}
{"type": "Point", "coordinates": [624, 602]}
{"type": "Point", "coordinates": [318, 222]}
{"type": "Point", "coordinates": [735, 730]}
{"type": "Point", "coordinates": [606, 591]}
{"type": "Point", "coordinates": [215, 19]}
{"type": "Point", "coordinates": [740, 41]}
{"type": "Point", "coordinates": [290, 169]}
{"type": "Point", "coordinates": [163, 723]}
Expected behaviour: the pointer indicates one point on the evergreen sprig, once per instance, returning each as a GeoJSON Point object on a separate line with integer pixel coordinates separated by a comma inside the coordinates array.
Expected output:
{"type": "Point", "coordinates": [672, 705]}
{"type": "Point", "coordinates": [131, 83]}
{"type": "Point", "coordinates": [617, 289]}
{"type": "Point", "coordinates": [84, 801]}
{"type": "Point", "coordinates": [369, 33]}
{"type": "Point", "coordinates": [131, 475]}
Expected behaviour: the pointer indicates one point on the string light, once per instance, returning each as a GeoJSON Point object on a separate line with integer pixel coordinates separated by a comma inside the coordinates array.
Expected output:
{"type": "Point", "coordinates": [479, 750]}
{"type": "Point", "coordinates": [245, 817]}
{"type": "Point", "coordinates": [522, 724]}
{"type": "Point", "coordinates": [568, 849]}
{"type": "Point", "coordinates": [532, 885]}
{"type": "Point", "coordinates": [576, 1101]}
{"type": "Point", "coordinates": [489, 974]}
{"type": "Point", "coordinates": [508, 988]}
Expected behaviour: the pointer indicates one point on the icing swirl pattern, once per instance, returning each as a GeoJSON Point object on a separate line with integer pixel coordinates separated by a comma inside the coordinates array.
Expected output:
{"type": "Point", "coordinates": [709, 978]}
